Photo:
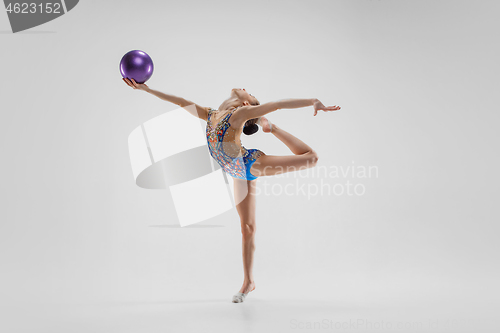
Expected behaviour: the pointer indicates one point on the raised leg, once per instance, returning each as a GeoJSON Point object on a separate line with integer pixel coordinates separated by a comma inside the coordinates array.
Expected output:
{"type": "Point", "coordinates": [297, 146]}
{"type": "Point", "coordinates": [269, 165]}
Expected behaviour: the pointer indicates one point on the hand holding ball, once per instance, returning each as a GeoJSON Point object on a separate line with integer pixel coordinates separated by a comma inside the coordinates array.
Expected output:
{"type": "Point", "coordinates": [136, 65]}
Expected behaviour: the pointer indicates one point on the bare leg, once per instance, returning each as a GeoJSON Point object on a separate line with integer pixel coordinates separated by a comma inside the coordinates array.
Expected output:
{"type": "Point", "coordinates": [268, 165]}
{"type": "Point", "coordinates": [296, 145]}
{"type": "Point", "coordinates": [246, 209]}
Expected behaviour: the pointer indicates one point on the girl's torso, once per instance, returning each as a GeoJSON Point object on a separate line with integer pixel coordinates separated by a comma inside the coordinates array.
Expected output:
{"type": "Point", "coordinates": [222, 136]}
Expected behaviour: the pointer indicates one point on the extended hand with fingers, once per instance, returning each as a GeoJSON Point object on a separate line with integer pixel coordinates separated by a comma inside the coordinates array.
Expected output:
{"type": "Point", "coordinates": [319, 106]}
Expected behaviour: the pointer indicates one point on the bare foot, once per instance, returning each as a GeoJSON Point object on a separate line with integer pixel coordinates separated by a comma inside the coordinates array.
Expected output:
{"type": "Point", "coordinates": [266, 126]}
{"type": "Point", "coordinates": [247, 287]}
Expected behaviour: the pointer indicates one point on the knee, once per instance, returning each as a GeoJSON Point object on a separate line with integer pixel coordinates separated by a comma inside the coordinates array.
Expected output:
{"type": "Point", "coordinates": [248, 230]}
{"type": "Point", "coordinates": [313, 158]}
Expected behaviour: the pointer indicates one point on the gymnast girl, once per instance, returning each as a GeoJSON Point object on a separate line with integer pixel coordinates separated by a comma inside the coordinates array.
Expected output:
{"type": "Point", "coordinates": [242, 113]}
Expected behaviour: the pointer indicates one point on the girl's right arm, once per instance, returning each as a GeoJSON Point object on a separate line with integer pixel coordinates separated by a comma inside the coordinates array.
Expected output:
{"type": "Point", "coordinates": [193, 108]}
{"type": "Point", "coordinates": [166, 97]}
{"type": "Point", "coordinates": [256, 111]}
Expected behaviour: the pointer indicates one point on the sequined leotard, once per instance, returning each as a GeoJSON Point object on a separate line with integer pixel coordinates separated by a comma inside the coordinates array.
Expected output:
{"type": "Point", "coordinates": [227, 149]}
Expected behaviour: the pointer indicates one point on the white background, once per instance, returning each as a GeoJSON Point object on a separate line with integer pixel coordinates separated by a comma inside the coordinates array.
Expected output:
{"type": "Point", "coordinates": [83, 249]}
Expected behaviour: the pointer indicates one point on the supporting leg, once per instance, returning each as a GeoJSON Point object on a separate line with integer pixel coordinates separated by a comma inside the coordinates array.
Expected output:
{"type": "Point", "coordinates": [246, 210]}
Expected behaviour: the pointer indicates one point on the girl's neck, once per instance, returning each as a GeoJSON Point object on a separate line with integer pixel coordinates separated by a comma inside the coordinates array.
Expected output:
{"type": "Point", "coordinates": [229, 103]}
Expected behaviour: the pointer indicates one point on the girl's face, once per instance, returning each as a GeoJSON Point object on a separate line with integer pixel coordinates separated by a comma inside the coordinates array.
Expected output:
{"type": "Point", "coordinates": [243, 96]}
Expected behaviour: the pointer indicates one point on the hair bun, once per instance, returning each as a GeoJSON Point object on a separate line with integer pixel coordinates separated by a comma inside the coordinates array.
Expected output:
{"type": "Point", "coordinates": [250, 129]}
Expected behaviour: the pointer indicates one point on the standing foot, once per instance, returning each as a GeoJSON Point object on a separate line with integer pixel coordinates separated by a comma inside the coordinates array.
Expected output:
{"type": "Point", "coordinates": [240, 296]}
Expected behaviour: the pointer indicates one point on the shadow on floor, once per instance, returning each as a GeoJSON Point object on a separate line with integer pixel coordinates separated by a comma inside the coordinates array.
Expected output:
{"type": "Point", "coordinates": [188, 226]}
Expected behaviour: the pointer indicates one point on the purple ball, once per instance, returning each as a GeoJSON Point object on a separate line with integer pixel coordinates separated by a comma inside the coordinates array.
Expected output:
{"type": "Point", "coordinates": [137, 65]}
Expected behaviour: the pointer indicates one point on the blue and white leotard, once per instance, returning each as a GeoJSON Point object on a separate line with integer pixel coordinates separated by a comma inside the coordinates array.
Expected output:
{"type": "Point", "coordinates": [232, 156]}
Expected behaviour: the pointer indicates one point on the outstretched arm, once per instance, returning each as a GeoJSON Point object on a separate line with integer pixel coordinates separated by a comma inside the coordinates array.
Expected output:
{"type": "Point", "coordinates": [197, 111]}
{"type": "Point", "coordinates": [193, 108]}
{"type": "Point", "coordinates": [256, 111]}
